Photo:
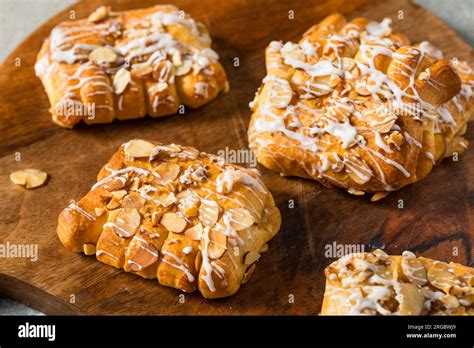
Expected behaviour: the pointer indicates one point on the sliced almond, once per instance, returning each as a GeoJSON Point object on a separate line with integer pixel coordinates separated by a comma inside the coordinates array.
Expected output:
{"type": "Point", "coordinates": [114, 203]}
{"type": "Point", "coordinates": [155, 218]}
{"type": "Point", "coordinates": [414, 270]}
{"type": "Point", "coordinates": [195, 232]}
{"type": "Point", "coordinates": [166, 172]}
{"type": "Point", "coordinates": [119, 194]}
{"type": "Point", "coordinates": [168, 199]}
{"type": "Point", "coordinates": [30, 178]}
{"type": "Point", "coordinates": [103, 55]}
{"type": "Point", "coordinates": [163, 151]}
{"type": "Point", "coordinates": [241, 218]}
{"type": "Point", "coordinates": [248, 274]}
{"type": "Point", "coordinates": [173, 222]}
{"type": "Point", "coordinates": [115, 183]}
{"type": "Point", "coordinates": [138, 148]}
{"type": "Point", "coordinates": [217, 244]}
{"type": "Point", "coordinates": [441, 278]}
{"type": "Point", "coordinates": [163, 71]}
{"type": "Point", "coordinates": [450, 301]}
{"type": "Point", "coordinates": [251, 257]}
{"type": "Point", "coordinates": [411, 300]}
{"type": "Point", "coordinates": [101, 13]}
{"type": "Point", "coordinates": [348, 63]}
{"type": "Point", "coordinates": [183, 69]}
{"type": "Point", "coordinates": [142, 70]}
{"type": "Point", "coordinates": [99, 211]}
{"type": "Point", "coordinates": [208, 212]}
{"type": "Point", "coordinates": [379, 196]}
{"type": "Point", "coordinates": [121, 80]}
{"type": "Point", "coordinates": [264, 248]}
{"type": "Point", "coordinates": [133, 200]}
{"type": "Point", "coordinates": [384, 125]}
{"type": "Point", "coordinates": [89, 249]}
{"type": "Point", "coordinates": [144, 255]}
{"type": "Point", "coordinates": [281, 93]}
{"type": "Point", "coordinates": [126, 222]}
{"type": "Point", "coordinates": [135, 185]}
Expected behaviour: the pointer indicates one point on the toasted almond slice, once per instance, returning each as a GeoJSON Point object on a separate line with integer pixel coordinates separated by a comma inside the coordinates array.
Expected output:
{"type": "Point", "coordinates": [411, 300]}
{"type": "Point", "coordinates": [30, 178]}
{"type": "Point", "coordinates": [135, 185]}
{"type": "Point", "coordinates": [166, 172]}
{"type": "Point", "coordinates": [176, 58]}
{"type": "Point", "coordinates": [441, 278]}
{"type": "Point", "coordinates": [379, 196]}
{"type": "Point", "coordinates": [99, 211]}
{"type": "Point", "coordinates": [103, 55]}
{"type": "Point", "coordinates": [163, 151]}
{"type": "Point", "coordinates": [264, 248]}
{"type": "Point", "coordinates": [173, 222]}
{"type": "Point", "coordinates": [89, 249]}
{"type": "Point", "coordinates": [348, 63]}
{"type": "Point", "coordinates": [281, 93]}
{"type": "Point", "coordinates": [188, 154]}
{"type": "Point", "coordinates": [138, 148]}
{"type": "Point", "coordinates": [248, 274]}
{"type": "Point", "coordinates": [121, 80]}
{"type": "Point", "coordinates": [168, 199]}
{"type": "Point", "coordinates": [142, 70]}
{"type": "Point", "coordinates": [194, 232]}
{"type": "Point", "coordinates": [251, 257]}
{"type": "Point", "coordinates": [217, 244]}
{"type": "Point", "coordinates": [155, 218]}
{"type": "Point", "coordinates": [183, 68]}
{"type": "Point", "coordinates": [133, 200]}
{"type": "Point", "coordinates": [114, 203]}
{"type": "Point", "coordinates": [414, 270]}
{"type": "Point", "coordinates": [101, 13]}
{"type": "Point", "coordinates": [450, 301]}
{"type": "Point", "coordinates": [119, 194]}
{"type": "Point", "coordinates": [143, 256]}
{"type": "Point", "coordinates": [241, 218]}
{"type": "Point", "coordinates": [116, 183]}
{"type": "Point", "coordinates": [208, 212]}
{"type": "Point", "coordinates": [126, 222]}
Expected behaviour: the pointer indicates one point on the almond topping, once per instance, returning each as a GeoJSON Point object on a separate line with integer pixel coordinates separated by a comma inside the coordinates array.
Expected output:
{"type": "Point", "coordinates": [166, 172]}
{"type": "Point", "coordinates": [264, 248]}
{"type": "Point", "coordinates": [183, 69]}
{"type": "Point", "coordinates": [103, 56]}
{"type": "Point", "coordinates": [248, 274]}
{"type": "Point", "coordinates": [133, 200]}
{"type": "Point", "coordinates": [217, 244]}
{"type": "Point", "coordinates": [251, 257]}
{"type": "Point", "coordinates": [411, 300]}
{"type": "Point", "coordinates": [155, 218]}
{"type": "Point", "coordinates": [121, 80]}
{"type": "Point", "coordinates": [173, 222]}
{"type": "Point", "coordinates": [194, 232]}
{"type": "Point", "coordinates": [138, 148]}
{"type": "Point", "coordinates": [379, 196]}
{"type": "Point", "coordinates": [241, 218]}
{"type": "Point", "coordinates": [126, 222]}
{"type": "Point", "coordinates": [414, 270]}
{"type": "Point", "coordinates": [99, 211]}
{"type": "Point", "coordinates": [30, 178]}
{"type": "Point", "coordinates": [280, 94]}
{"type": "Point", "coordinates": [441, 278]}
{"type": "Point", "coordinates": [99, 14]}
{"type": "Point", "coordinates": [144, 255]}
{"type": "Point", "coordinates": [89, 249]}
{"type": "Point", "coordinates": [142, 71]}
{"type": "Point", "coordinates": [208, 212]}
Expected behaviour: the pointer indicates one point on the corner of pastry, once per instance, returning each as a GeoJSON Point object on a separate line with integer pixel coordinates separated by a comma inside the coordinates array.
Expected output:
{"type": "Point", "coordinates": [375, 283]}
{"type": "Point", "coordinates": [171, 212]}
{"type": "Point", "coordinates": [127, 65]}
{"type": "Point", "coordinates": [354, 104]}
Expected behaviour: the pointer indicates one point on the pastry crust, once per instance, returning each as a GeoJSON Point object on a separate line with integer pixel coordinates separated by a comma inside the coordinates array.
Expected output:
{"type": "Point", "coordinates": [355, 105]}
{"type": "Point", "coordinates": [125, 65]}
{"type": "Point", "coordinates": [176, 214]}
{"type": "Point", "coordinates": [378, 284]}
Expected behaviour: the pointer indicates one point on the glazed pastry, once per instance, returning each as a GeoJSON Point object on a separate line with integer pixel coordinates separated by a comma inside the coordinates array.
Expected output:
{"type": "Point", "coordinates": [125, 65]}
{"type": "Point", "coordinates": [378, 284]}
{"type": "Point", "coordinates": [176, 214]}
{"type": "Point", "coordinates": [355, 105]}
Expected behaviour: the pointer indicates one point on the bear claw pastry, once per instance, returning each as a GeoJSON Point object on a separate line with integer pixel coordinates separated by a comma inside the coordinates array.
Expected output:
{"type": "Point", "coordinates": [173, 213]}
{"type": "Point", "coordinates": [375, 283]}
{"type": "Point", "coordinates": [355, 105]}
{"type": "Point", "coordinates": [125, 65]}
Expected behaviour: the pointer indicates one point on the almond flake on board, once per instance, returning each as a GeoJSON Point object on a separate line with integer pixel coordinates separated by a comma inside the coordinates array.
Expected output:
{"type": "Point", "coordinates": [30, 178]}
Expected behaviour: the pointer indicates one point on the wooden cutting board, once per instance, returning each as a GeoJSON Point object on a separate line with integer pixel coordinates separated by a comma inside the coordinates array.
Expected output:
{"type": "Point", "coordinates": [437, 218]}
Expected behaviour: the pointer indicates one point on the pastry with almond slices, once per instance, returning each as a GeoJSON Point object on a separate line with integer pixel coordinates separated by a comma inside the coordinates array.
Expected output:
{"type": "Point", "coordinates": [170, 212]}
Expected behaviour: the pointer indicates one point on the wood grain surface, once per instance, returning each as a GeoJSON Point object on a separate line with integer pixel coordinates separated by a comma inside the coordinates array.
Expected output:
{"type": "Point", "coordinates": [437, 218]}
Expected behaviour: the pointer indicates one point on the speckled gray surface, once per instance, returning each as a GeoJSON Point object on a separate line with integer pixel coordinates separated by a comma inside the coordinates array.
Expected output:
{"type": "Point", "coordinates": [14, 28]}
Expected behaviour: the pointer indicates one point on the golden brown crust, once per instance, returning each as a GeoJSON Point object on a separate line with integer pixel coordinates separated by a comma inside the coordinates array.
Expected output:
{"type": "Point", "coordinates": [126, 65]}
{"type": "Point", "coordinates": [355, 105]}
{"type": "Point", "coordinates": [378, 284]}
{"type": "Point", "coordinates": [172, 213]}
